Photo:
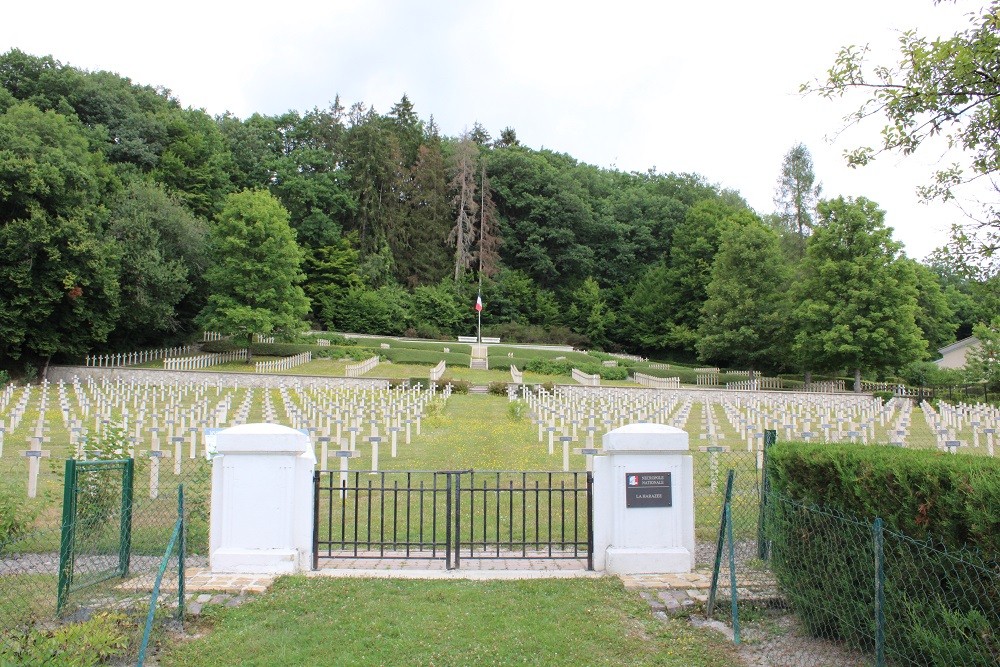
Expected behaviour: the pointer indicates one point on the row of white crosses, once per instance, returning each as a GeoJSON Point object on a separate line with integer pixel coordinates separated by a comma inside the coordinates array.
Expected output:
{"type": "Point", "coordinates": [807, 417]}
{"type": "Point", "coordinates": [174, 414]}
{"type": "Point", "coordinates": [981, 420]}
{"type": "Point", "coordinates": [574, 414]}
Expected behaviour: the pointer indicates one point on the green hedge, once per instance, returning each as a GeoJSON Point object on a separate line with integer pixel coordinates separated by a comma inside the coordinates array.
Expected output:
{"type": "Point", "coordinates": [919, 493]}
{"type": "Point", "coordinates": [941, 601]}
{"type": "Point", "coordinates": [424, 357]}
{"type": "Point", "coordinates": [553, 367]}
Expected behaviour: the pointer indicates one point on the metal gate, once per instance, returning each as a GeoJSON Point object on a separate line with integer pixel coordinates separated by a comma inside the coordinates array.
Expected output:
{"type": "Point", "coordinates": [96, 524]}
{"type": "Point", "coordinates": [452, 515]}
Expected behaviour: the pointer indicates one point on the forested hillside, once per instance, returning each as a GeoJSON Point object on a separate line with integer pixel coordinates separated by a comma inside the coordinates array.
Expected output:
{"type": "Point", "coordinates": [110, 189]}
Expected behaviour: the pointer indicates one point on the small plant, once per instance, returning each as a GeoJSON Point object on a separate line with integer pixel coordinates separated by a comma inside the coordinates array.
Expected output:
{"type": "Point", "coordinates": [16, 518]}
{"type": "Point", "coordinates": [498, 388]}
{"type": "Point", "coordinates": [4, 378]}
{"type": "Point", "coordinates": [459, 386]}
{"type": "Point", "coordinates": [434, 408]}
{"type": "Point", "coordinates": [95, 641]}
{"type": "Point", "coordinates": [98, 502]}
{"type": "Point", "coordinates": [517, 410]}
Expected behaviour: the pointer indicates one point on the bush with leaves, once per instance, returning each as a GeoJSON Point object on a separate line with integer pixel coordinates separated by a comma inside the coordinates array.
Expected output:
{"type": "Point", "coordinates": [97, 501]}
{"type": "Point", "coordinates": [98, 640]}
{"type": "Point", "coordinates": [16, 518]}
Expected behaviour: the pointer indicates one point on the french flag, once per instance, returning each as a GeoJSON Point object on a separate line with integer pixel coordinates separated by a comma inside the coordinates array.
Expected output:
{"type": "Point", "coordinates": [479, 303]}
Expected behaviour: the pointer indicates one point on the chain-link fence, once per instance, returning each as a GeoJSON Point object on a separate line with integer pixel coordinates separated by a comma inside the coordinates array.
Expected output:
{"type": "Point", "coordinates": [841, 590]}
{"type": "Point", "coordinates": [100, 568]}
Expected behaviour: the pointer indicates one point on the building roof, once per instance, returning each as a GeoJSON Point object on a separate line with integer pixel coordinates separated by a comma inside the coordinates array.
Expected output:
{"type": "Point", "coordinates": [965, 342]}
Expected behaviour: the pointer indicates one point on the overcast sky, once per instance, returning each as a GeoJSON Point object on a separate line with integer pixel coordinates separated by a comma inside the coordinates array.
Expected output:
{"type": "Point", "coordinates": [711, 89]}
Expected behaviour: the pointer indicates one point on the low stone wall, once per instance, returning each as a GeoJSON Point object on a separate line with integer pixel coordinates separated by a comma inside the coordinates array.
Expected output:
{"type": "Point", "coordinates": [249, 379]}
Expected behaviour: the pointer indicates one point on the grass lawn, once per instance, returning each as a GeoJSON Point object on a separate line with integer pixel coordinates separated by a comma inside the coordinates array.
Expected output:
{"type": "Point", "coordinates": [318, 621]}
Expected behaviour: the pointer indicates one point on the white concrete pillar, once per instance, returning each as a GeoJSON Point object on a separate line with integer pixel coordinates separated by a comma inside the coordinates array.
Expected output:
{"type": "Point", "coordinates": [644, 501]}
{"type": "Point", "coordinates": [262, 498]}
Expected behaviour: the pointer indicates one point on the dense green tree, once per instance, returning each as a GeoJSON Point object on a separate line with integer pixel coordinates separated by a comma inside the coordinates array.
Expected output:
{"type": "Point", "coordinates": [195, 161]}
{"type": "Point", "coordinates": [508, 137]}
{"type": "Point", "coordinates": [161, 245]}
{"type": "Point", "coordinates": [255, 276]}
{"type": "Point", "coordinates": [408, 128]}
{"type": "Point", "coordinates": [797, 194]}
{"type": "Point", "coordinates": [423, 257]}
{"type": "Point", "coordinates": [589, 314]}
{"type": "Point", "coordinates": [383, 311]}
{"type": "Point", "coordinates": [983, 361]}
{"type": "Point", "coordinates": [946, 87]}
{"type": "Point", "coordinates": [331, 271]}
{"type": "Point", "coordinates": [856, 300]}
{"type": "Point", "coordinates": [373, 162]}
{"type": "Point", "coordinates": [645, 313]}
{"type": "Point", "coordinates": [935, 316]}
{"type": "Point", "coordinates": [543, 214]}
{"type": "Point", "coordinates": [744, 318]}
{"type": "Point", "coordinates": [437, 306]}
{"type": "Point", "coordinates": [58, 286]}
{"type": "Point", "coordinates": [692, 254]}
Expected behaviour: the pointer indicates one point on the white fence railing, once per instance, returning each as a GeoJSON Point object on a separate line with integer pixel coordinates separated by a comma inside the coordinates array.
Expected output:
{"type": "Point", "coordinates": [203, 361]}
{"type": "Point", "coordinates": [438, 371]}
{"type": "Point", "coordinates": [629, 357]}
{"type": "Point", "coordinates": [135, 358]}
{"type": "Point", "coordinates": [283, 364]}
{"type": "Point", "coordinates": [586, 379]}
{"type": "Point", "coordinates": [359, 369]}
{"type": "Point", "coordinates": [743, 385]}
{"type": "Point", "coordinates": [824, 387]}
{"type": "Point", "coordinates": [516, 376]}
{"type": "Point", "coordinates": [659, 367]}
{"type": "Point", "coordinates": [655, 382]}
{"type": "Point", "coordinates": [210, 336]}
{"type": "Point", "coordinates": [757, 384]}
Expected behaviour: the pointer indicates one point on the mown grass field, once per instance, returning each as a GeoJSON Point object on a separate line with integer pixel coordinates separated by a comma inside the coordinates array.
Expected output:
{"type": "Point", "coordinates": [318, 621]}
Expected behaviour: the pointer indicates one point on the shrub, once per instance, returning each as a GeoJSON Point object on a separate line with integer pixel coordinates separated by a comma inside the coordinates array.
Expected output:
{"type": "Point", "coordinates": [457, 386]}
{"type": "Point", "coordinates": [498, 388]}
{"type": "Point", "coordinates": [16, 517]}
{"type": "Point", "coordinates": [97, 640]}
{"type": "Point", "coordinates": [517, 410]}
{"type": "Point", "coordinates": [937, 595]}
{"type": "Point", "coordinates": [919, 493]}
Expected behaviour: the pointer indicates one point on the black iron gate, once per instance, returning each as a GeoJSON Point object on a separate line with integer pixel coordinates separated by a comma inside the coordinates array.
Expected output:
{"type": "Point", "coordinates": [452, 515]}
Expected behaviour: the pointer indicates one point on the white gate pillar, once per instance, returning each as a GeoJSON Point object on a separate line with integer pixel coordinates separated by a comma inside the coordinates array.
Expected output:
{"type": "Point", "coordinates": [644, 501]}
{"type": "Point", "coordinates": [262, 500]}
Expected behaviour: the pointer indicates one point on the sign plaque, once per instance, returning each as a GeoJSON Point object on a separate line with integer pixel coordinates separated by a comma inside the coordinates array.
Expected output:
{"type": "Point", "coordinates": [647, 489]}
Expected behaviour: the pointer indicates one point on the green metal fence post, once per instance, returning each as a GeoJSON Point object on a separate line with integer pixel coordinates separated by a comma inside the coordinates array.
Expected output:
{"type": "Point", "coordinates": [877, 531]}
{"type": "Point", "coordinates": [733, 597]}
{"type": "Point", "coordinates": [763, 548]}
{"type": "Point", "coordinates": [710, 607]}
{"type": "Point", "coordinates": [125, 543]}
{"type": "Point", "coordinates": [181, 553]}
{"type": "Point", "coordinates": [66, 540]}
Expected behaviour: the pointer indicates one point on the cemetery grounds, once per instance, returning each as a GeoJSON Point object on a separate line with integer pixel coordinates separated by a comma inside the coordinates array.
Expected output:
{"type": "Point", "coordinates": [462, 432]}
